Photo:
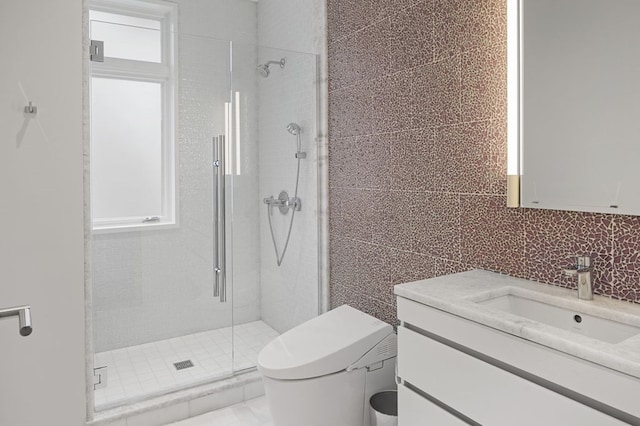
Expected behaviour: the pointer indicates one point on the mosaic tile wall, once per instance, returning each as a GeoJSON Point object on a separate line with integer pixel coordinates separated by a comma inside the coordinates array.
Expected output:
{"type": "Point", "coordinates": [417, 163]}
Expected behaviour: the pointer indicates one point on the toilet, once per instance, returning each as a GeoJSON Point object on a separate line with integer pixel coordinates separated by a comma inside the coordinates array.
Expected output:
{"type": "Point", "coordinates": [324, 371]}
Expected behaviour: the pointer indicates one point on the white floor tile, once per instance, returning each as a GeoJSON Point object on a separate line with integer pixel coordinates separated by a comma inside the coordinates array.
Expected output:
{"type": "Point", "coordinates": [147, 370]}
{"type": "Point", "coordinates": [249, 413]}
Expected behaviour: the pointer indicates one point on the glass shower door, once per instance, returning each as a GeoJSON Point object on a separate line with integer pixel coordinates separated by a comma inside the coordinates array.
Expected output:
{"type": "Point", "coordinates": [158, 325]}
{"type": "Point", "coordinates": [274, 193]}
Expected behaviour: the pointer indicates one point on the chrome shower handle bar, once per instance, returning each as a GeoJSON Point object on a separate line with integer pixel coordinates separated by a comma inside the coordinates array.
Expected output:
{"type": "Point", "coordinates": [24, 317]}
{"type": "Point", "coordinates": [220, 286]}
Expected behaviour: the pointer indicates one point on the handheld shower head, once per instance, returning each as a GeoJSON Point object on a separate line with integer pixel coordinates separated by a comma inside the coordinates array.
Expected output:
{"type": "Point", "coordinates": [293, 128]}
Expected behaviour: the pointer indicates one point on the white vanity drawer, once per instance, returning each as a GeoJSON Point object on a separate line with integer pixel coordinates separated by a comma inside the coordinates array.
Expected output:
{"type": "Point", "coordinates": [483, 392]}
{"type": "Point", "coordinates": [414, 410]}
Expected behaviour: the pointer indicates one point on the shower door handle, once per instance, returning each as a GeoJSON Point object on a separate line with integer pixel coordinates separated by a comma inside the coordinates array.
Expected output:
{"type": "Point", "coordinates": [220, 286]}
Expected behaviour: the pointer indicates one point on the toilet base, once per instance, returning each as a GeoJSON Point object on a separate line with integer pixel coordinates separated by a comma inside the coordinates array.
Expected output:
{"type": "Point", "coordinates": [336, 399]}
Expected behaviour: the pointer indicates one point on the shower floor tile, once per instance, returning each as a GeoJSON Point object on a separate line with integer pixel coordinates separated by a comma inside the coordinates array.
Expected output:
{"type": "Point", "coordinates": [139, 372]}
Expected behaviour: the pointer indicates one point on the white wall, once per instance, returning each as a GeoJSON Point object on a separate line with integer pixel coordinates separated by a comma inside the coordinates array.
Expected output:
{"type": "Point", "coordinates": [286, 28]}
{"type": "Point", "coordinates": [296, 25]}
{"type": "Point", "coordinates": [42, 377]}
{"type": "Point", "coordinates": [153, 285]}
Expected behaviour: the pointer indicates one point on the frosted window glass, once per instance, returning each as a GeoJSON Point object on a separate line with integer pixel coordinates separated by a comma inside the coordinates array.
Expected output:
{"type": "Point", "coordinates": [126, 148]}
{"type": "Point", "coordinates": [127, 37]}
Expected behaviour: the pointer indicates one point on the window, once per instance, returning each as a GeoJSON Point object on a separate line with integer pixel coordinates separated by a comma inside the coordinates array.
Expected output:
{"type": "Point", "coordinates": [133, 115]}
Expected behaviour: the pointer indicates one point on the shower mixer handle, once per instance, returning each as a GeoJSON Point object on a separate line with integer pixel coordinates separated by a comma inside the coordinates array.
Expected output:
{"type": "Point", "coordinates": [283, 202]}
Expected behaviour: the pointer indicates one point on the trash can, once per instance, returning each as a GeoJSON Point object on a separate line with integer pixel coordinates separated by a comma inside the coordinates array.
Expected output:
{"type": "Point", "coordinates": [383, 408]}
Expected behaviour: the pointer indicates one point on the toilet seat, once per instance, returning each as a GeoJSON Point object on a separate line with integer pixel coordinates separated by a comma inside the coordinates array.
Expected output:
{"type": "Point", "coordinates": [324, 345]}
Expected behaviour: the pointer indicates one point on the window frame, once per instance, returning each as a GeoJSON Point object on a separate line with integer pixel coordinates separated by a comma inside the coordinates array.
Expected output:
{"type": "Point", "coordinates": [164, 73]}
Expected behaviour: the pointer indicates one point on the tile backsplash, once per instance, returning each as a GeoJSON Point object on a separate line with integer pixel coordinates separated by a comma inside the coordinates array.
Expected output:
{"type": "Point", "coordinates": [417, 161]}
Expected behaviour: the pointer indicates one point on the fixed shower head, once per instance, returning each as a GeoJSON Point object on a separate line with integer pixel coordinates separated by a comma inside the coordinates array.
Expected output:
{"type": "Point", "coordinates": [264, 70]}
{"type": "Point", "coordinates": [293, 128]}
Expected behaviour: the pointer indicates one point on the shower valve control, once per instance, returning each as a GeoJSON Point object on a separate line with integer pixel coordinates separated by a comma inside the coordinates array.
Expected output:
{"type": "Point", "coordinates": [283, 202]}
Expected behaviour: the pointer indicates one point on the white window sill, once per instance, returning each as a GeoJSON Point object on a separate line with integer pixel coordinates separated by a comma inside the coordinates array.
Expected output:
{"type": "Point", "coordinates": [133, 227]}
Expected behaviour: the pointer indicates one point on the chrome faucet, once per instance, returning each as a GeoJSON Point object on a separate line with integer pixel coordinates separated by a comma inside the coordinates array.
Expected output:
{"type": "Point", "coordinates": [584, 271]}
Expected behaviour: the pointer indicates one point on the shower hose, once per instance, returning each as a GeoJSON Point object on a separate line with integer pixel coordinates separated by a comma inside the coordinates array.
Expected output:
{"type": "Point", "coordinates": [280, 257]}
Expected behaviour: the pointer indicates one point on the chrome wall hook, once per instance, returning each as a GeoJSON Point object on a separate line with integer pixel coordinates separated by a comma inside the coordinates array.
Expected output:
{"type": "Point", "coordinates": [31, 109]}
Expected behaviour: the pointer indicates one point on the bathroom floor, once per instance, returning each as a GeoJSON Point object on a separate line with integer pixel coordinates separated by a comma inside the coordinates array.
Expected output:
{"type": "Point", "coordinates": [146, 370]}
{"type": "Point", "coordinates": [254, 412]}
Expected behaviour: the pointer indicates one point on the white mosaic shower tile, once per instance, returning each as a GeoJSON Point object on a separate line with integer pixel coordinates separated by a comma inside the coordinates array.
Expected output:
{"type": "Point", "coordinates": [142, 371]}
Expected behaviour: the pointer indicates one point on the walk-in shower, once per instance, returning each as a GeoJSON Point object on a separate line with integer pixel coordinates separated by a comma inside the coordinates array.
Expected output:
{"type": "Point", "coordinates": [186, 137]}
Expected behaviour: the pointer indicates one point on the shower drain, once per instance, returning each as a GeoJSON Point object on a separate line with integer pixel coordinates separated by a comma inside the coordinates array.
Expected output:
{"type": "Point", "coordinates": [183, 364]}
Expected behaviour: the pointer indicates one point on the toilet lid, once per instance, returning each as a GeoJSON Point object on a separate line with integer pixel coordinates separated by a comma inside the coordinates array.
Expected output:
{"type": "Point", "coordinates": [324, 345]}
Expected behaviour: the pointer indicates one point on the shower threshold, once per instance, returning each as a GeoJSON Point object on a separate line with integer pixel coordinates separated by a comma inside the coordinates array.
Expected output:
{"type": "Point", "coordinates": [144, 371]}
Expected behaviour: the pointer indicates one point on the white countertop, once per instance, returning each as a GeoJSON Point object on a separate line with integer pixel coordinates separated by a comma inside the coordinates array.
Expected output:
{"type": "Point", "coordinates": [458, 293]}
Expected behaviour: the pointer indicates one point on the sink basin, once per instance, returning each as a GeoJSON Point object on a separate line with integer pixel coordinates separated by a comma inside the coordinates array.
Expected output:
{"type": "Point", "coordinates": [563, 318]}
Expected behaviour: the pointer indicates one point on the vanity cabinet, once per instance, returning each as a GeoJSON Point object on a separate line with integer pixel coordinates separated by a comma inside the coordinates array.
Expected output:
{"type": "Point", "coordinates": [416, 410]}
{"type": "Point", "coordinates": [454, 371]}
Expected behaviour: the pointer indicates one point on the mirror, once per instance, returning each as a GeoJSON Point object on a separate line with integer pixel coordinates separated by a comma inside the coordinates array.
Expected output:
{"type": "Point", "coordinates": [579, 104]}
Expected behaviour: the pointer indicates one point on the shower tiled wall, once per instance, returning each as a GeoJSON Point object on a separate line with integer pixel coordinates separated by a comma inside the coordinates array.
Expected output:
{"type": "Point", "coordinates": [289, 291]}
{"type": "Point", "coordinates": [417, 160]}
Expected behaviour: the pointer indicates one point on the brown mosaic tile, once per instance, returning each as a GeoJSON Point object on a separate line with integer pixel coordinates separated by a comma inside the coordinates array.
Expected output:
{"type": "Point", "coordinates": [410, 40]}
{"type": "Point", "coordinates": [340, 73]}
{"type": "Point", "coordinates": [484, 83]}
{"type": "Point", "coordinates": [410, 153]}
{"type": "Point", "coordinates": [343, 262]}
{"type": "Point", "coordinates": [492, 235]}
{"type": "Point", "coordinates": [385, 311]}
{"type": "Point", "coordinates": [371, 55]}
{"type": "Point", "coordinates": [343, 155]}
{"type": "Point", "coordinates": [407, 267]}
{"type": "Point", "coordinates": [434, 224]}
{"type": "Point", "coordinates": [335, 24]}
{"type": "Point", "coordinates": [350, 112]}
{"type": "Point", "coordinates": [350, 213]}
{"type": "Point", "coordinates": [392, 103]}
{"type": "Point", "coordinates": [373, 162]}
{"type": "Point", "coordinates": [462, 25]}
{"type": "Point", "coordinates": [386, 8]}
{"type": "Point", "coordinates": [553, 239]}
{"type": "Point", "coordinates": [469, 158]}
{"type": "Point", "coordinates": [436, 93]}
{"type": "Point", "coordinates": [336, 220]}
{"type": "Point", "coordinates": [626, 260]}
{"type": "Point", "coordinates": [358, 211]}
{"type": "Point", "coordinates": [374, 271]}
{"type": "Point", "coordinates": [448, 267]}
{"type": "Point", "coordinates": [345, 18]}
{"type": "Point", "coordinates": [391, 217]}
